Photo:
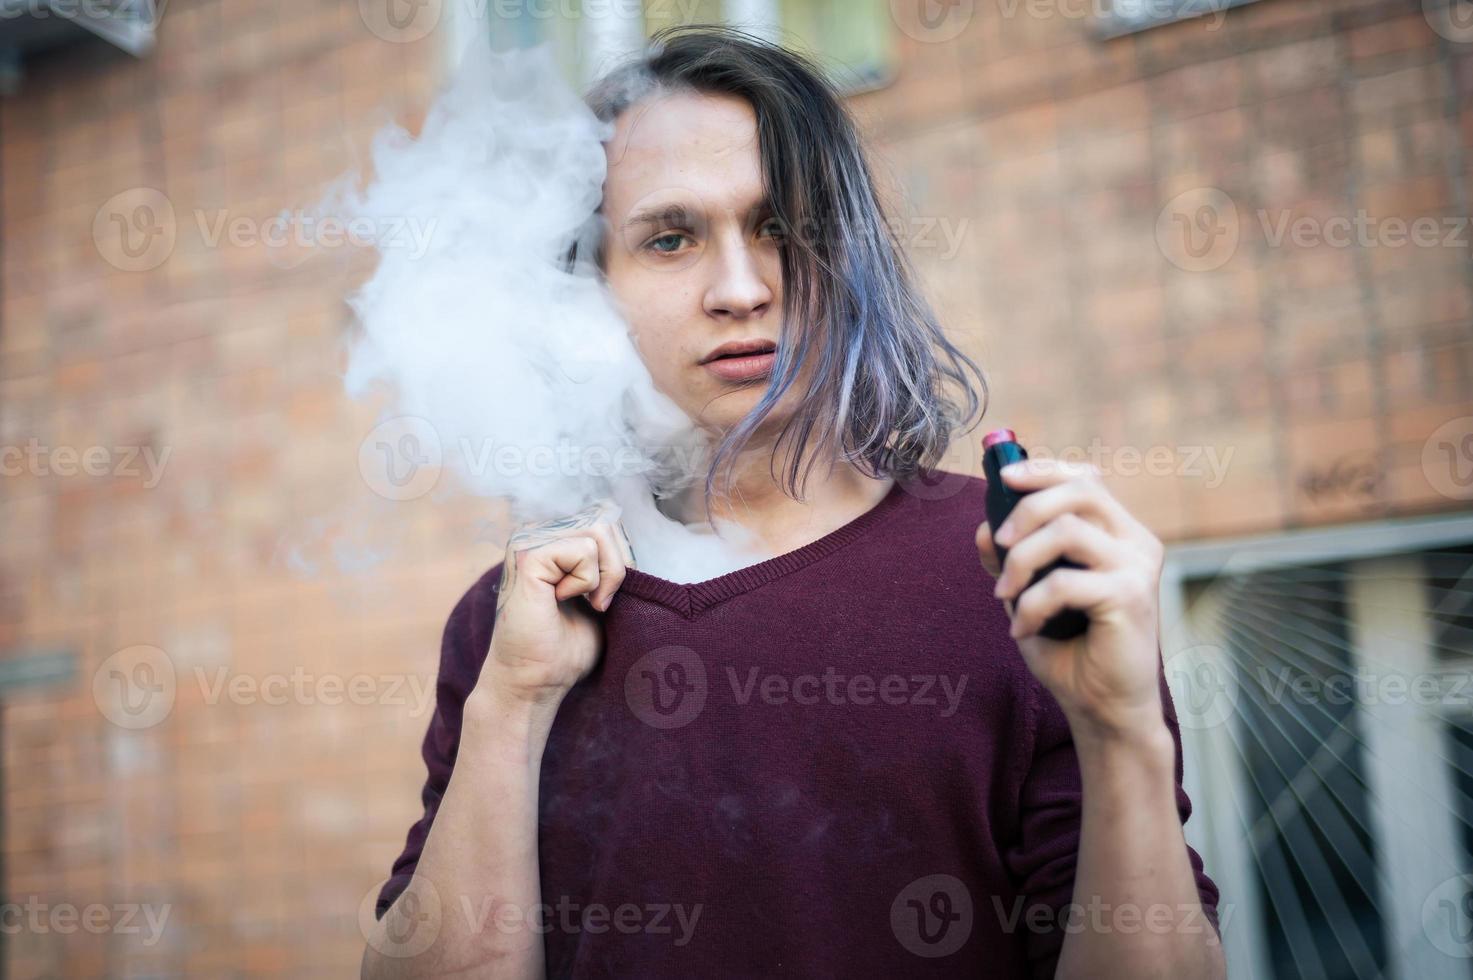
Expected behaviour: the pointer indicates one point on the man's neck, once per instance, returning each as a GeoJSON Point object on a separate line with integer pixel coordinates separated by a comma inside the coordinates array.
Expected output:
{"type": "Point", "coordinates": [756, 502]}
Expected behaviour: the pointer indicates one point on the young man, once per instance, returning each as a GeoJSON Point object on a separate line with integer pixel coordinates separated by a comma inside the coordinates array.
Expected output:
{"type": "Point", "coordinates": [856, 758]}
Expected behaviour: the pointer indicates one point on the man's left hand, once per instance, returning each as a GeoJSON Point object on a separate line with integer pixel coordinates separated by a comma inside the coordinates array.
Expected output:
{"type": "Point", "coordinates": [1107, 677]}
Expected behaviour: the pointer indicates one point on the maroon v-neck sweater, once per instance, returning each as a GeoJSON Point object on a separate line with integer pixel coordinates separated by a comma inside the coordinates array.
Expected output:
{"type": "Point", "coordinates": [831, 763]}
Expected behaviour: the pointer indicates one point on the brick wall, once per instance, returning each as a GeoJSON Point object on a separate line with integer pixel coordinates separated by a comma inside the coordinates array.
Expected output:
{"type": "Point", "coordinates": [1319, 373]}
{"type": "Point", "coordinates": [257, 826]}
{"type": "Point", "coordinates": [1046, 155]}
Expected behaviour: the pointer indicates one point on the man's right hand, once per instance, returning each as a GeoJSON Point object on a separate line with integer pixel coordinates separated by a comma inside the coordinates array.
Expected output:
{"type": "Point", "coordinates": [546, 638]}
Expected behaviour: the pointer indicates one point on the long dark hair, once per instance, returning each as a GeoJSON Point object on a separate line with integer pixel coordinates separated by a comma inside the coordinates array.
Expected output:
{"type": "Point", "coordinates": [877, 394]}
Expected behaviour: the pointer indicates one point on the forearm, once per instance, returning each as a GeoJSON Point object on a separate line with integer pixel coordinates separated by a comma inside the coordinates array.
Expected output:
{"type": "Point", "coordinates": [479, 859]}
{"type": "Point", "coordinates": [1142, 914]}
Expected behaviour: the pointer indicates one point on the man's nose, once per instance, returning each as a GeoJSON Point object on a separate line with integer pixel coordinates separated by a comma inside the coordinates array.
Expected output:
{"type": "Point", "coordinates": [739, 286]}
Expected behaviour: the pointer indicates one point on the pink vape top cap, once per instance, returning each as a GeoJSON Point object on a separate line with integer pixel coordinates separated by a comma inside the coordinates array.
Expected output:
{"type": "Point", "coordinates": [997, 435]}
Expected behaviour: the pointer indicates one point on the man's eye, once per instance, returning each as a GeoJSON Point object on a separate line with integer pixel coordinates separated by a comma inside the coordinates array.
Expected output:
{"type": "Point", "coordinates": [671, 240]}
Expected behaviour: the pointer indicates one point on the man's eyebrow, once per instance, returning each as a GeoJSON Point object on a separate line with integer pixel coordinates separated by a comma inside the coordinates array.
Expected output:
{"type": "Point", "coordinates": [660, 214]}
{"type": "Point", "coordinates": [679, 214]}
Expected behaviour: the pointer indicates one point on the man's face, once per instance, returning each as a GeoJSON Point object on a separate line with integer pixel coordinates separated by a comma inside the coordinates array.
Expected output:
{"type": "Point", "coordinates": [690, 253]}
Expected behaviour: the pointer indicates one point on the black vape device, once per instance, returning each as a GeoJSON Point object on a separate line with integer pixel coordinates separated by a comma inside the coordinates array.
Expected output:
{"type": "Point", "coordinates": [999, 448]}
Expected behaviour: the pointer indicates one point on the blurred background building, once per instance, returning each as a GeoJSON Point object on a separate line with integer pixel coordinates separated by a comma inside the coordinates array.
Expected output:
{"type": "Point", "coordinates": [1220, 249]}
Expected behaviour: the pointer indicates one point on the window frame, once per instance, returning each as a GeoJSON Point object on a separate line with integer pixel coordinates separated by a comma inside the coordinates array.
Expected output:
{"type": "Point", "coordinates": [1382, 553]}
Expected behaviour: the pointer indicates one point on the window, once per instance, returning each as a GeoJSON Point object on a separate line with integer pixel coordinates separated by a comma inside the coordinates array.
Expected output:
{"type": "Point", "coordinates": [1306, 814]}
{"type": "Point", "coordinates": [851, 39]}
{"type": "Point", "coordinates": [1324, 682]}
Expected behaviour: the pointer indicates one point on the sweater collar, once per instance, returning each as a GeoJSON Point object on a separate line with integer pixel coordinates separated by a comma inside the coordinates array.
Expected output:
{"type": "Point", "coordinates": [690, 599]}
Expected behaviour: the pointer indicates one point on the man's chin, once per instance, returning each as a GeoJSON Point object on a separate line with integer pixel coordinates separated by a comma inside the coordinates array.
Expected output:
{"type": "Point", "coordinates": [768, 431]}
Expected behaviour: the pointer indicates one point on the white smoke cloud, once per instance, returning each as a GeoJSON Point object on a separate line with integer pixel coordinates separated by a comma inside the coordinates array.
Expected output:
{"type": "Point", "coordinates": [525, 372]}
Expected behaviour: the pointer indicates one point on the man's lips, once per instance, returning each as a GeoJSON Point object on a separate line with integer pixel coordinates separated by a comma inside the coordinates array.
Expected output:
{"type": "Point", "coordinates": [741, 348]}
{"type": "Point", "coordinates": [742, 367]}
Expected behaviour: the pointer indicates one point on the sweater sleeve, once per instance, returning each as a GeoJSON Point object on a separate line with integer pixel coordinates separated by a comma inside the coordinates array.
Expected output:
{"type": "Point", "coordinates": [1043, 855]}
{"type": "Point", "coordinates": [463, 647]}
